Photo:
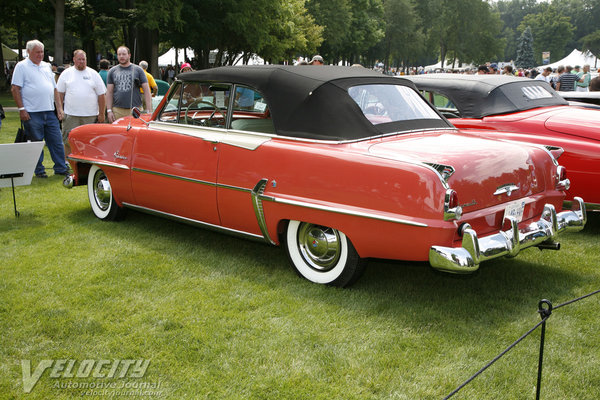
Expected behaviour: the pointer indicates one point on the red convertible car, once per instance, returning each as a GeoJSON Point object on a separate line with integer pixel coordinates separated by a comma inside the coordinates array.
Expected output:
{"type": "Point", "coordinates": [525, 110]}
{"type": "Point", "coordinates": [337, 164]}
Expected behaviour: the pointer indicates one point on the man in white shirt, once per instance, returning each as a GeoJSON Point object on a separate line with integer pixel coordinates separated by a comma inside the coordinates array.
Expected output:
{"type": "Point", "coordinates": [545, 75]}
{"type": "Point", "coordinates": [82, 92]}
{"type": "Point", "coordinates": [34, 91]}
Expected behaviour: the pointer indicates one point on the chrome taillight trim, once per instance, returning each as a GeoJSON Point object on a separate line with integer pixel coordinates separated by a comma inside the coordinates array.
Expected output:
{"type": "Point", "coordinates": [564, 184]}
{"type": "Point", "coordinates": [454, 212]}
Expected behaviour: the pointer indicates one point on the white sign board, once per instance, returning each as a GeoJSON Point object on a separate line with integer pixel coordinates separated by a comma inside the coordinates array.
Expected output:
{"type": "Point", "coordinates": [19, 158]}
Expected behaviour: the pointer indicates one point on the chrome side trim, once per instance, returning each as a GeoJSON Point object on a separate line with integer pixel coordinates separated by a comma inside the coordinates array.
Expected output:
{"type": "Point", "coordinates": [339, 210]}
{"type": "Point", "coordinates": [181, 178]}
{"type": "Point", "coordinates": [258, 209]}
{"type": "Point", "coordinates": [201, 182]}
{"type": "Point", "coordinates": [99, 162]}
{"type": "Point", "coordinates": [194, 222]}
{"type": "Point", "coordinates": [541, 233]}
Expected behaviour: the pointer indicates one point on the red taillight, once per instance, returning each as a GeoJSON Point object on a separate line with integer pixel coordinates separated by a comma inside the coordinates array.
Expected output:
{"type": "Point", "coordinates": [453, 201]}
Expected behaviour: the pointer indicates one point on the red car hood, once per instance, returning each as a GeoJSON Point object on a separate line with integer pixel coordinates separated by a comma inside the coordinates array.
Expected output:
{"type": "Point", "coordinates": [575, 121]}
{"type": "Point", "coordinates": [480, 166]}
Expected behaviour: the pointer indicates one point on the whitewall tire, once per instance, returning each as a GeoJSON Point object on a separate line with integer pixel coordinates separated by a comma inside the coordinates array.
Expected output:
{"type": "Point", "coordinates": [101, 196]}
{"type": "Point", "coordinates": [322, 254]}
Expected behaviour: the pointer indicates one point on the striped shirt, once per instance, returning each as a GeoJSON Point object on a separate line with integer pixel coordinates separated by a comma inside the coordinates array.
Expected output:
{"type": "Point", "coordinates": [567, 82]}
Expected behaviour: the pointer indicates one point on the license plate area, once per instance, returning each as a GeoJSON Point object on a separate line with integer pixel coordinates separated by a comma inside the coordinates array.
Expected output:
{"type": "Point", "coordinates": [515, 209]}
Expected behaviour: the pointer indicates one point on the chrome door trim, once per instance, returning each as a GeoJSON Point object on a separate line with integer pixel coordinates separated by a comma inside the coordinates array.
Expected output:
{"type": "Point", "coordinates": [98, 162]}
{"type": "Point", "coordinates": [181, 178]}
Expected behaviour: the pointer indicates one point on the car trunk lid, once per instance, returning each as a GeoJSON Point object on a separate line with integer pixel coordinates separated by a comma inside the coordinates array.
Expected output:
{"type": "Point", "coordinates": [484, 172]}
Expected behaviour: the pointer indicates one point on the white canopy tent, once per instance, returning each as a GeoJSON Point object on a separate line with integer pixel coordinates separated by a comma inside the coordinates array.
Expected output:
{"type": "Point", "coordinates": [447, 65]}
{"type": "Point", "coordinates": [169, 57]}
{"type": "Point", "coordinates": [575, 58]}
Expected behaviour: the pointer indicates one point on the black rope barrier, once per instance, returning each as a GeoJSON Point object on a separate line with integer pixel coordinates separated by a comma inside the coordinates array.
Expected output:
{"type": "Point", "coordinates": [545, 309]}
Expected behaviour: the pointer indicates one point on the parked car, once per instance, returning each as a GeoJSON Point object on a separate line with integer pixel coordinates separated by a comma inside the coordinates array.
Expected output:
{"type": "Point", "coordinates": [583, 99]}
{"type": "Point", "coordinates": [525, 110]}
{"type": "Point", "coordinates": [337, 164]}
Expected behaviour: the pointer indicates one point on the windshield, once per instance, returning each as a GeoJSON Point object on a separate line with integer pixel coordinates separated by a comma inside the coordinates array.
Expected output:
{"type": "Point", "coordinates": [391, 103]}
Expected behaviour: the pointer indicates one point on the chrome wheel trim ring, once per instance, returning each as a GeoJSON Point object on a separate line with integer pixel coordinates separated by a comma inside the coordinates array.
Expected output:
{"type": "Point", "coordinates": [320, 246]}
{"type": "Point", "coordinates": [102, 190]}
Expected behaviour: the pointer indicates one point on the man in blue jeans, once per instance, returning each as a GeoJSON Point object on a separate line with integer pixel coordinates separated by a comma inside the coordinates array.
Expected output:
{"type": "Point", "coordinates": [34, 91]}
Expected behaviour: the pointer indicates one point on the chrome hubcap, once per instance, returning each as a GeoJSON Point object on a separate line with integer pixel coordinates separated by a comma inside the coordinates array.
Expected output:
{"type": "Point", "coordinates": [319, 246]}
{"type": "Point", "coordinates": [102, 191]}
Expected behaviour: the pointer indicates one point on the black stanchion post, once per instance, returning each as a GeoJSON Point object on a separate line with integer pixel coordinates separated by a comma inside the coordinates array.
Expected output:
{"type": "Point", "coordinates": [545, 310]}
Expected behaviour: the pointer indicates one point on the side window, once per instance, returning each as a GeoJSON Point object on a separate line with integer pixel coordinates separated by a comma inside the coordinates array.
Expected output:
{"type": "Point", "coordinates": [250, 111]}
{"type": "Point", "coordinates": [169, 111]}
{"type": "Point", "coordinates": [204, 104]}
{"type": "Point", "coordinates": [441, 102]}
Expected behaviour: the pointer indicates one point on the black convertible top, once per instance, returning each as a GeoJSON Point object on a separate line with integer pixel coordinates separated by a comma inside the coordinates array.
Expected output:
{"type": "Point", "coordinates": [478, 96]}
{"type": "Point", "coordinates": [313, 101]}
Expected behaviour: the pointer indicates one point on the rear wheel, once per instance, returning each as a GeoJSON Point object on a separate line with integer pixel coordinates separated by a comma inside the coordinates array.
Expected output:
{"type": "Point", "coordinates": [322, 254]}
{"type": "Point", "coordinates": [101, 196]}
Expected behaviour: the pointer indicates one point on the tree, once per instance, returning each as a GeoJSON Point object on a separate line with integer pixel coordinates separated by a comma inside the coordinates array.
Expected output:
{"type": "Point", "coordinates": [403, 41]}
{"type": "Point", "coordinates": [464, 30]}
{"type": "Point", "coordinates": [511, 13]}
{"type": "Point", "coordinates": [591, 43]}
{"type": "Point", "coordinates": [551, 32]}
{"type": "Point", "coordinates": [525, 57]}
{"type": "Point", "coordinates": [335, 18]}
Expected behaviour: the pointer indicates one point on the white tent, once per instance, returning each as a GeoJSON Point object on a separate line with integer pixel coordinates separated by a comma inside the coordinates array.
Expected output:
{"type": "Point", "coordinates": [169, 57]}
{"type": "Point", "coordinates": [447, 65]}
{"type": "Point", "coordinates": [575, 58]}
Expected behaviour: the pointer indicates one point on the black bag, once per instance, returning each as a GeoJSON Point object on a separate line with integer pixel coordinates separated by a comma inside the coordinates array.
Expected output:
{"type": "Point", "coordinates": [21, 135]}
{"type": "Point", "coordinates": [2, 112]}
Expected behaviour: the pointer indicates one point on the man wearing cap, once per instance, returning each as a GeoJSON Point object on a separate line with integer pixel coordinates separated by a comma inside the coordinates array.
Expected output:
{"type": "Point", "coordinates": [482, 70]}
{"type": "Point", "coordinates": [123, 84]}
{"type": "Point", "coordinates": [34, 91]}
{"type": "Point", "coordinates": [316, 60]}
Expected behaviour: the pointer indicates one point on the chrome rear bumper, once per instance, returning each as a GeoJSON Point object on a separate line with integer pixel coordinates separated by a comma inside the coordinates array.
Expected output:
{"type": "Point", "coordinates": [542, 233]}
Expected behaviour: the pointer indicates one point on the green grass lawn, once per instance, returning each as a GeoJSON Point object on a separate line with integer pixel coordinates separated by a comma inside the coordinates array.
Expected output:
{"type": "Point", "coordinates": [223, 318]}
{"type": "Point", "coordinates": [6, 99]}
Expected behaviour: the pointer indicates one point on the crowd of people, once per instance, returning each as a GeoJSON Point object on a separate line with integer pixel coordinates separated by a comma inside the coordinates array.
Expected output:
{"type": "Point", "coordinates": [54, 100]}
{"type": "Point", "coordinates": [563, 78]}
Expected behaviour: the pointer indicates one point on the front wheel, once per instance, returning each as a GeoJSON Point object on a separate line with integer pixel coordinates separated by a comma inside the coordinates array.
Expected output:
{"type": "Point", "coordinates": [101, 196]}
{"type": "Point", "coordinates": [322, 254]}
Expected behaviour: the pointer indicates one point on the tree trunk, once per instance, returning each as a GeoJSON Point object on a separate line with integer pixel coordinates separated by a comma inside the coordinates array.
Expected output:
{"type": "Point", "coordinates": [59, 31]}
{"type": "Point", "coordinates": [2, 73]}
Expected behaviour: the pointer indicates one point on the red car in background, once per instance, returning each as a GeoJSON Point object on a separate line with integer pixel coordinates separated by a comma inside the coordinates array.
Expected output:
{"type": "Point", "coordinates": [525, 110]}
{"type": "Point", "coordinates": [335, 164]}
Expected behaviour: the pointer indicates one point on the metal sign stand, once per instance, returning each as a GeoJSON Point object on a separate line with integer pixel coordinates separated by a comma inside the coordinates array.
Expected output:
{"type": "Point", "coordinates": [12, 183]}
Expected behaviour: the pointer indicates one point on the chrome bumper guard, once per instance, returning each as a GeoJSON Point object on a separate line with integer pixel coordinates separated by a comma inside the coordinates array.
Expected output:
{"type": "Point", "coordinates": [542, 233]}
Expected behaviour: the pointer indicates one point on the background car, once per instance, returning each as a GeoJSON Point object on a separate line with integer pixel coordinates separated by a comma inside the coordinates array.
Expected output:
{"type": "Point", "coordinates": [337, 164]}
{"type": "Point", "coordinates": [526, 110]}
